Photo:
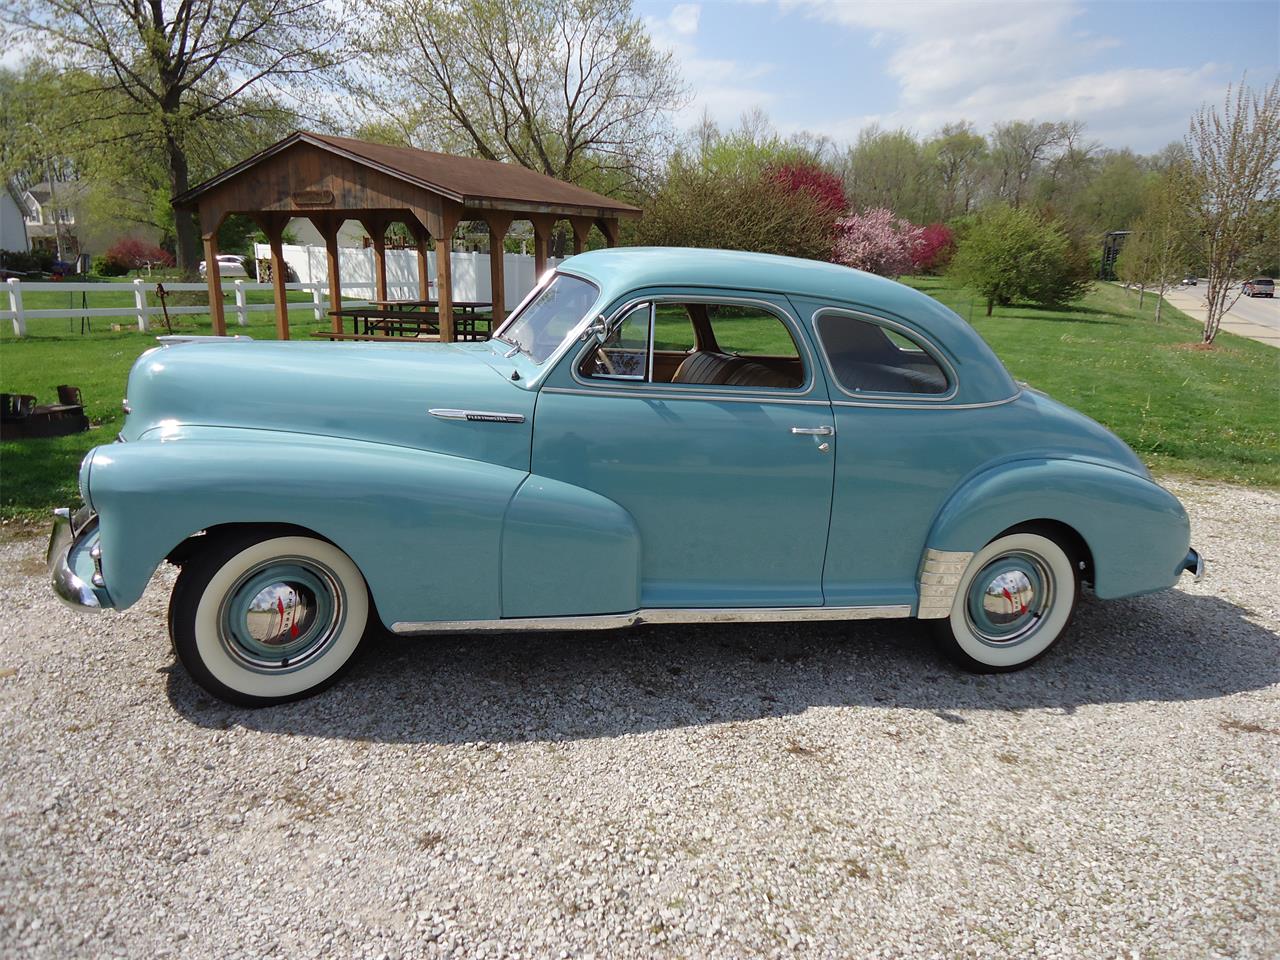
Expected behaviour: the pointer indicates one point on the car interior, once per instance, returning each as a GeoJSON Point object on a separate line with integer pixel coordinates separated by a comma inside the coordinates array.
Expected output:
{"type": "Point", "coordinates": [714, 344]}
{"type": "Point", "coordinates": [868, 357]}
{"type": "Point", "coordinates": [737, 345]}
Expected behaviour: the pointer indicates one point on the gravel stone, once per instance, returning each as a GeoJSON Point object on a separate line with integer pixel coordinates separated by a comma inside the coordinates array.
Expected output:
{"type": "Point", "coordinates": [817, 790]}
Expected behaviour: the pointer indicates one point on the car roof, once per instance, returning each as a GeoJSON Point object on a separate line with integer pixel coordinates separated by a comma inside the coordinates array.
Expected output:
{"type": "Point", "coordinates": [620, 270]}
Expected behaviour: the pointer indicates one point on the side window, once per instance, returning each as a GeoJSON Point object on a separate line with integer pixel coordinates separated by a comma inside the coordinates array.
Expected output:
{"type": "Point", "coordinates": [625, 355]}
{"type": "Point", "coordinates": [869, 358]}
{"type": "Point", "coordinates": [725, 344]}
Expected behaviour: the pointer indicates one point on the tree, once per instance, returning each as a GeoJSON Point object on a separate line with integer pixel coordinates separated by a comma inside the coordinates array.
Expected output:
{"type": "Point", "coordinates": [567, 89]}
{"type": "Point", "coordinates": [734, 210]}
{"type": "Point", "coordinates": [889, 169]}
{"type": "Point", "coordinates": [183, 73]}
{"type": "Point", "coordinates": [1018, 152]}
{"type": "Point", "coordinates": [878, 242]}
{"type": "Point", "coordinates": [809, 178]}
{"type": "Point", "coordinates": [956, 153]}
{"type": "Point", "coordinates": [1009, 254]}
{"type": "Point", "coordinates": [1156, 254]}
{"type": "Point", "coordinates": [1230, 190]}
{"type": "Point", "coordinates": [936, 247]}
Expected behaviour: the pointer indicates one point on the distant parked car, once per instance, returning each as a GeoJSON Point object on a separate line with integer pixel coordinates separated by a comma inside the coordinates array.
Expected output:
{"type": "Point", "coordinates": [229, 265]}
{"type": "Point", "coordinates": [1261, 287]}
{"type": "Point", "coordinates": [654, 436]}
{"type": "Point", "coordinates": [1191, 280]}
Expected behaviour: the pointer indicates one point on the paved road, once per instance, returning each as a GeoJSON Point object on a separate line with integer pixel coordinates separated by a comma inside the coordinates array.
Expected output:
{"type": "Point", "coordinates": [1254, 317]}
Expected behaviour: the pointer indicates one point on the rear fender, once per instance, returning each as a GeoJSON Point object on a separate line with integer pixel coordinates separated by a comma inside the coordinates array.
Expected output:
{"type": "Point", "coordinates": [1136, 531]}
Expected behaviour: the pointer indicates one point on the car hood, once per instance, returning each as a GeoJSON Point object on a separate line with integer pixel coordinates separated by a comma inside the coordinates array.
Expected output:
{"type": "Point", "coordinates": [381, 393]}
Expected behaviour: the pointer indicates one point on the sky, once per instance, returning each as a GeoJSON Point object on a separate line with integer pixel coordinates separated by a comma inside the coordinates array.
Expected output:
{"type": "Point", "coordinates": [1134, 70]}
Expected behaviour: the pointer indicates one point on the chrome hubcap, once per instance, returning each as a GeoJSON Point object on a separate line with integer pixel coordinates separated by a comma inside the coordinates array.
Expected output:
{"type": "Point", "coordinates": [1008, 599]}
{"type": "Point", "coordinates": [281, 615]}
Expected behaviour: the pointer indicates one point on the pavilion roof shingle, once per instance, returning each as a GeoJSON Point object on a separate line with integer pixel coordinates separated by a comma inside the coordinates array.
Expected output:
{"type": "Point", "coordinates": [467, 180]}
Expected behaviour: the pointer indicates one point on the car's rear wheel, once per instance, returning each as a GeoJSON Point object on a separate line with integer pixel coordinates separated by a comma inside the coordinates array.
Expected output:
{"type": "Point", "coordinates": [259, 620]}
{"type": "Point", "coordinates": [1014, 601]}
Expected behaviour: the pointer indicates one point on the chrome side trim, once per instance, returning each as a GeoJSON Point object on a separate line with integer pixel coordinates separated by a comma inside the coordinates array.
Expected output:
{"type": "Point", "coordinates": [613, 621]}
{"type": "Point", "coordinates": [940, 574]}
{"type": "Point", "coordinates": [911, 405]}
{"type": "Point", "coordinates": [476, 416]}
{"type": "Point", "coordinates": [659, 395]}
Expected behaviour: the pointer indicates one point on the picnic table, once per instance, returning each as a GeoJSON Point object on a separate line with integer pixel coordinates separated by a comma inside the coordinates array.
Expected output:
{"type": "Point", "coordinates": [391, 319]}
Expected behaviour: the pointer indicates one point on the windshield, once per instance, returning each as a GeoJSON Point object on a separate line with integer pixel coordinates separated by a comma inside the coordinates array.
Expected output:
{"type": "Point", "coordinates": [549, 317]}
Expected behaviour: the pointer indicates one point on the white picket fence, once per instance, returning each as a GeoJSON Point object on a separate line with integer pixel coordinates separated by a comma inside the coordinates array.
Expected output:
{"type": "Point", "coordinates": [470, 282]}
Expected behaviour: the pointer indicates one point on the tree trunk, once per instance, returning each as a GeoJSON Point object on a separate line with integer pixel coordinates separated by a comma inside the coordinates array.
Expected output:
{"type": "Point", "coordinates": [1142, 292]}
{"type": "Point", "coordinates": [990, 303]}
{"type": "Point", "coordinates": [186, 232]}
{"type": "Point", "coordinates": [1159, 303]}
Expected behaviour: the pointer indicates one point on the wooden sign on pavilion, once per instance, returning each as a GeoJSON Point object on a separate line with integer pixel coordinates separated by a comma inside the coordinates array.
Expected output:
{"type": "Point", "coordinates": [330, 180]}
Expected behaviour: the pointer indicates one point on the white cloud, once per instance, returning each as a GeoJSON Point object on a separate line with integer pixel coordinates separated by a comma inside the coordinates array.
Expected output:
{"type": "Point", "coordinates": [997, 60]}
{"type": "Point", "coordinates": [723, 88]}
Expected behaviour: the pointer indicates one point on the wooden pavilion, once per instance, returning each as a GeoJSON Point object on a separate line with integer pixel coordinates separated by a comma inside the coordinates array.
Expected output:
{"type": "Point", "coordinates": [330, 180]}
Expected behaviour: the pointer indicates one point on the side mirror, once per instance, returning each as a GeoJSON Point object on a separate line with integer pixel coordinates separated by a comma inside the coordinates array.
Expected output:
{"type": "Point", "coordinates": [597, 329]}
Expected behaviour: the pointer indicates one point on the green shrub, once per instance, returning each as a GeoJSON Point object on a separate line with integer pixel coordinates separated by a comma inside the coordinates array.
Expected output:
{"type": "Point", "coordinates": [1010, 254]}
{"type": "Point", "coordinates": [105, 267]}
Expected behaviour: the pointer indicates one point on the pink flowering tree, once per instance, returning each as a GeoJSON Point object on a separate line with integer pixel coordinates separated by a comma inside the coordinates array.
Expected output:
{"type": "Point", "coordinates": [878, 242]}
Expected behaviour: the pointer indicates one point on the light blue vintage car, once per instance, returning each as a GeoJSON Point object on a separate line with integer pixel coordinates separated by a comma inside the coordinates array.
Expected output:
{"type": "Point", "coordinates": [654, 436]}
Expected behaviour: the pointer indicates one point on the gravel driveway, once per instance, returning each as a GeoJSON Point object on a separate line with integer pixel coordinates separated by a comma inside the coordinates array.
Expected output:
{"type": "Point", "coordinates": [818, 790]}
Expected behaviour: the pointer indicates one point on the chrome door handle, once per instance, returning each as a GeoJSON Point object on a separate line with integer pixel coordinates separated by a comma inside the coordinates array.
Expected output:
{"type": "Point", "coordinates": [815, 431]}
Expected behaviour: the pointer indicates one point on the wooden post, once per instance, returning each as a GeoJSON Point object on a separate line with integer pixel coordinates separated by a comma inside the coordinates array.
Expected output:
{"type": "Point", "coordinates": [420, 235]}
{"type": "Point", "coordinates": [499, 224]}
{"type": "Point", "coordinates": [609, 228]}
{"type": "Point", "coordinates": [377, 229]}
{"type": "Point", "coordinates": [444, 275]}
{"type": "Point", "coordinates": [214, 277]}
{"type": "Point", "coordinates": [328, 227]}
{"type": "Point", "coordinates": [581, 229]}
{"type": "Point", "coordinates": [543, 224]}
{"type": "Point", "coordinates": [273, 227]}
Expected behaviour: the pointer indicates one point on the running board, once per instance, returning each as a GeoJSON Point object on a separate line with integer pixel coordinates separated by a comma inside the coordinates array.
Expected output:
{"type": "Point", "coordinates": [614, 621]}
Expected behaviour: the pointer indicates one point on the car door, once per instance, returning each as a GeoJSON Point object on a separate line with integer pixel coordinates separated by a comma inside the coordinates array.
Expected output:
{"type": "Point", "coordinates": [724, 458]}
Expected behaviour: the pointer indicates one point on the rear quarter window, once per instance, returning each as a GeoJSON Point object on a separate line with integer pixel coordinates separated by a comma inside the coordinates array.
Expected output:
{"type": "Point", "coordinates": [869, 357]}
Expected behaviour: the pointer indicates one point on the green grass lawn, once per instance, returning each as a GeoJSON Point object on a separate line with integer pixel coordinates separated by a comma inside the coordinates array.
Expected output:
{"type": "Point", "coordinates": [1204, 413]}
{"type": "Point", "coordinates": [1209, 414]}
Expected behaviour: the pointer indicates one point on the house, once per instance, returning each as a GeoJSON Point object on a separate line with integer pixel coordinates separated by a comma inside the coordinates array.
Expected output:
{"type": "Point", "coordinates": [51, 217]}
{"type": "Point", "coordinates": [13, 227]}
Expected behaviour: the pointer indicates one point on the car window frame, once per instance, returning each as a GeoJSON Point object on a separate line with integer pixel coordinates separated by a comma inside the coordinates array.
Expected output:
{"type": "Point", "coordinates": [879, 397]}
{"type": "Point", "coordinates": [707, 390]}
{"type": "Point", "coordinates": [613, 323]}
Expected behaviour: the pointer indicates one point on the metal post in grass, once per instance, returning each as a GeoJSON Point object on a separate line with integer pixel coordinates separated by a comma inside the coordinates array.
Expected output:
{"type": "Point", "coordinates": [140, 302]}
{"type": "Point", "coordinates": [242, 314]}
{"type": "Point", "coordinates": [316, 300]}
{"type": "Point", "coordinates": [15, 304]}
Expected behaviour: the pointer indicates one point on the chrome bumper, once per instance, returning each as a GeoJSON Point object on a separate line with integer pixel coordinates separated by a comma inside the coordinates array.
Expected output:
{"type": "Point", "coordinates": [1193, 563]}
{"type": "Point", "coordinates": [73, 543]}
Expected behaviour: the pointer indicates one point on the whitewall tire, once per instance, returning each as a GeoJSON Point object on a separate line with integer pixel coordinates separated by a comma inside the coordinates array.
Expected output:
{"type": "Point", "coordinates": [259, 619]}
{"type": "Point", "coordinates": [1014, 601]}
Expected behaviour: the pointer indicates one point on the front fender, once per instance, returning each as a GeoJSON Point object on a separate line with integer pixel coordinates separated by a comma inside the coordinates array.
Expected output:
{"type": "Point", "coordinates": [424, 528]}
{"type": "Point", "coordinates": [1136, 531]}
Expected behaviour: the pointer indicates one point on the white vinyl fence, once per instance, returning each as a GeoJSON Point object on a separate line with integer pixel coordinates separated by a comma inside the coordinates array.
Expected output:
{"type": "Point", "coordinates": [470, 282]}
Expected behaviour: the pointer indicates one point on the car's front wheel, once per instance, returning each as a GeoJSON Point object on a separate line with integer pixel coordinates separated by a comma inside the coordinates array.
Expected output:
{"type": "Point", "coordinates": [263, 620]}
{"type": "Point", "coordinates": [1014, 601]}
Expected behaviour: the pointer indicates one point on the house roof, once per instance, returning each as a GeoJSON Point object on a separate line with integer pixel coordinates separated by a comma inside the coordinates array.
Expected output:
{"type": "Point", "coordinates": [467, 180]}
{"type": "Point", "coordinates": [42, 191]}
